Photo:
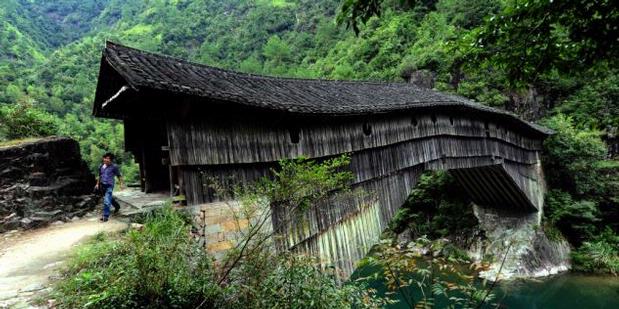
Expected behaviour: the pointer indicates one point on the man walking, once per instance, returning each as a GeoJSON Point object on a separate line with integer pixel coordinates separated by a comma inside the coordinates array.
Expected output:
{"type": "Point", "coordinates": [105, 183]}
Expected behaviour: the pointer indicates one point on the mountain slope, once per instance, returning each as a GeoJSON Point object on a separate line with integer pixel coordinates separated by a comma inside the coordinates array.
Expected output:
{"type": "Point", "coordinates": [57, 71]}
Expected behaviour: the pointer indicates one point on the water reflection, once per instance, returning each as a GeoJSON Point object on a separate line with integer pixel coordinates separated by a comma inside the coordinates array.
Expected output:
{"type": "Point", "coordinates": [564, 291]}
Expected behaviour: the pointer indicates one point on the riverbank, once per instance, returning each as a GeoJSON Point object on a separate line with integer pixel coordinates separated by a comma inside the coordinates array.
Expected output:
{"type": "Point", "coordinates": [566, 291]}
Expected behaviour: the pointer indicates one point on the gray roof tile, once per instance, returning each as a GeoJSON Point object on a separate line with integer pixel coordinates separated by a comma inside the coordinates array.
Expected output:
{"type": "Point", "coordinates": [142, 69]}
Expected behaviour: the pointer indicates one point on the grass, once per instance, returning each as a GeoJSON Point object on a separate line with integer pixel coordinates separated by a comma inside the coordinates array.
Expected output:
{"type": "Point", "coordinates": [16, 142]}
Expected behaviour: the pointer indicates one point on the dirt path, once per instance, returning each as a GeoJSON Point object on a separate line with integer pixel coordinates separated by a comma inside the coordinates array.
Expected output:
{"type": "Point", "coordinates": [28, 259]}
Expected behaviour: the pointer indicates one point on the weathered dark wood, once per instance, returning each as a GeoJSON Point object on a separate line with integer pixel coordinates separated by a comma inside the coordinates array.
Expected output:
{"type": "Point", "coordinates": [227, 141]}
{"type": "Point", "coordinates": [146, 140]}
{"type": "Point", "coordinates": [232, 128]}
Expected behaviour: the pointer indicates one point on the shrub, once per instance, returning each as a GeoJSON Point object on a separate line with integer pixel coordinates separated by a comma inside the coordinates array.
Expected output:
{"type": "Point", "coordinates": [437, 207]}
{"type": "Point", "coordinates": [600, 255]}
{"type": "Point", "coordinates": [296, 281]}
{"type": "Point", "coordinates": [571, 156]}
{"type": "Point", "coordinates": [576, 219]}
{"type": "Point", "coordinates": [255, 274]}
{"type": "Point", "coordinates": [22, 120]}
{"type": "Point", "coordinates": [595, 104]}
{"type": "Point", "coordinates": [162, 267]}
{"type": "Point", "coordinates": [583, 198]}
{"type": "Point", "coordinates": [430, 280]}
{"type": "Point", "coordinates": [159, 266]}
{"type": "Point", "coordinates": [302, 183]}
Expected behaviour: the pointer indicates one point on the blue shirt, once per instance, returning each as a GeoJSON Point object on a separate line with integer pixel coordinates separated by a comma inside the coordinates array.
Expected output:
{"type": "Point", "coordinates": [106, 174]}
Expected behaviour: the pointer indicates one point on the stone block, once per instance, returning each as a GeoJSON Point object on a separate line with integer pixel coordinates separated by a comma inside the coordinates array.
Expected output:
{"type": "Point", "coordinates": [219, 246]}
{"type": "Point", "coordinates": [212, 228]}
{"type": "Point", "coordinates": [215, 219]}
{"type": "Point", "coordinates": [231, 225]}
{"type": "Point", "coordinates": [220, 236]}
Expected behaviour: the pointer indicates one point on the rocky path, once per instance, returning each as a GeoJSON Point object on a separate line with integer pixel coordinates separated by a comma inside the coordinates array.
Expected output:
{"type": "Point", "coordinates": [29, 258]}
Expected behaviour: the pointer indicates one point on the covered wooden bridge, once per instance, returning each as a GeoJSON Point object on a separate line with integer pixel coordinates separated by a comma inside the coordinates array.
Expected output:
{"type": "Point", "coordinates": [186, 123]}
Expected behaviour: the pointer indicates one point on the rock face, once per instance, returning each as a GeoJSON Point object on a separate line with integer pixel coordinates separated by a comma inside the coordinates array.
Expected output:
{"type": "Point", "coordinates": [530, 104]}
{"type": "Point", "coordinates": [421, 78]}
{"type": "Point", "coordinates": [43, 181]}
{"type": "Point", "coordinates": [519, 246]}
{"type": "Point", "coordinates": [513, 243]}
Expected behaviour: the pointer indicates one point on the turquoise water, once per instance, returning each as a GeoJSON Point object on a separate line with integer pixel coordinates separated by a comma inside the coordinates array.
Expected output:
{"type": "Point", "coordinates": [562, 291]}
{"type": "Point", "coordinates": [566, 291]}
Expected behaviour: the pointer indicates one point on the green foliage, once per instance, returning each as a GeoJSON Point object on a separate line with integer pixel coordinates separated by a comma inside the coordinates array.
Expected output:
{"type": "Point", "coordinates": [277, 54]}
{"type": "Point", "coordinates": [302, 183]}
{"type": "Point", "coordinates": [274, 38]}
{"type": "Point", "coordinates": [259, 276]}
{"type": "Point", "coordinates": [467, 13]}
{"type": "Point", "coordinates": [162, 266]}
{"type": "Point", "coordinates": [571, 156]}
{"type": "Point", "coordinates": [437, 207]}
{"type": "Point", "coordinates": [291, 38]}
{"type": "Point", "coordinates": [51, 24]}
{"type": "Point", "coordinates": [159, 266]}
{"type": "Point", "coordinates": [354, 13]}
{"type": "Point", "coordinates": [305, 285]}
{"type": "Point", "coordinates": [585, 199]}
{"type": "Point", "coordinates": [293, 281]}
{"type": "Point", "coordinates": [529, 38]}
{"type": "Point", "coordinates": [23, 120]}
{"type": "Point", "coordinates": [429, 51]}
{"type": "Point", "coordinates": [97, 137]}
{"type": "Point", "coordinates": [595, 104]}
{"type": "Point", "coordinates": [575, 218]}
{"type": "Point", "coordinates": [600, 255]}
{"type": "Point", "coordinates": [428, 281]}
{"type": "Point", "coordinates": [486, 50]}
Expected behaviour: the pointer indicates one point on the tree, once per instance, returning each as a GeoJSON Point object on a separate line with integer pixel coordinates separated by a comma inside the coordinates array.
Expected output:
{"type": "Point", "coordinates": [277, 53]}
{"type": "Point", "coordinates": [532, 37]}
{"type": "Point", "coordinates": [583, 197]}
{"type": "Point", "coordinates": [527, 39]}
{"type": "Point", "coordinates": [595, 105]}
{"type": "Point", "coordinates": [571, 156]}
{"type": "Point", "coordinates": [356, 12]}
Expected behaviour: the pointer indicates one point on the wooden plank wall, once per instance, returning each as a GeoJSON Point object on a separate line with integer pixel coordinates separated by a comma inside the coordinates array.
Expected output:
{"type": "Point", "coordinates": [245, 149]}
{"type": "Point", "coordinates": [228, 141]}
{"type": "Point", "coordinates": [496, 164]}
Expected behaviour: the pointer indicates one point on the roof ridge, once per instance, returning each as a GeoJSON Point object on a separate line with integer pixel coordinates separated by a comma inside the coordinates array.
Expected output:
{"type": "Point", "coordinates": [113, 45]}
{"type": "Point", "coordinates": [142, 68]}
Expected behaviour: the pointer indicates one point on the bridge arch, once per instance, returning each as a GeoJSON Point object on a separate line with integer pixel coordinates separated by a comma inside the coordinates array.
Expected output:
{"type": "Point", "coordinates": [496, 167]}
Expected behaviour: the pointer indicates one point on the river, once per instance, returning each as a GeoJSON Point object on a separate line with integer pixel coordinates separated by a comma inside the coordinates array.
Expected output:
{"type": "Point", "coordinates": [565, 291]}
{"type": "Point", "coordinates": [570, 290]}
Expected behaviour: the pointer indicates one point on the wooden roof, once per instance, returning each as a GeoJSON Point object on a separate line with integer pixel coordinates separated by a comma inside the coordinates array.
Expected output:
{"type": "Point", "coordinates": [145, 70]}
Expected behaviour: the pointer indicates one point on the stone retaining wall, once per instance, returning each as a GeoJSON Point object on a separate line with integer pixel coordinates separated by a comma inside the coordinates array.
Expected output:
{"type": "Point", "coordinates": [42, 181]}
{"type": "Point", "coordinates": [218, 226]}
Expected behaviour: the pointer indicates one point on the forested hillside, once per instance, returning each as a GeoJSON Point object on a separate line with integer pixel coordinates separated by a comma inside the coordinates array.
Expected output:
{"type": "Point", "coordinates": [485, 50]}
